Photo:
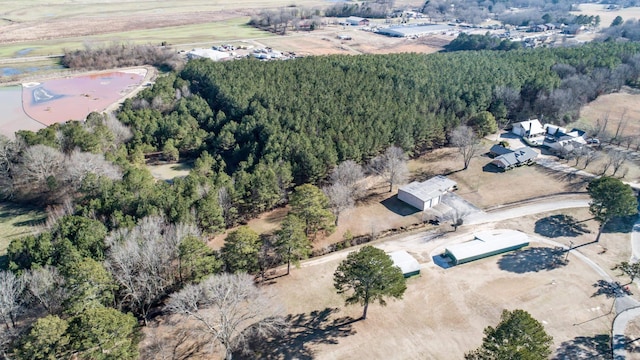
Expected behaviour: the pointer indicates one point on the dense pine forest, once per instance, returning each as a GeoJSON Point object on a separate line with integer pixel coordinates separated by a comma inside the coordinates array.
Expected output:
{"type": "Point", "coordinates": [118, 242]}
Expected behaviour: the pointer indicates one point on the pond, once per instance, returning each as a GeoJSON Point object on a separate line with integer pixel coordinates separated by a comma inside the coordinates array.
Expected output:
{"type": "Point", "coordinates": [36, 105]}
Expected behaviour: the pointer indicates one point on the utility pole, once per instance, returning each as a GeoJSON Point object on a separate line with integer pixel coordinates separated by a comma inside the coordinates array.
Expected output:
{"type": "Point", "coordinates": [570, 247]}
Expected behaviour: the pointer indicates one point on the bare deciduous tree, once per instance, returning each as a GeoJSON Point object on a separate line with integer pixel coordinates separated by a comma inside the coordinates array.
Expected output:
{"type": "Point", "coordinates": [226, 203]}
{"type": "Point", "coordinates": [622, 124]}
{"type": "Point", "coordinates": [465, 139]}
{"type": "Point", "coordinates": [231, 309]}
{"type": "Point", "coordinates": [617, 158]}
{"type": "Point", "coordinates": [143, 261]}
{"type": "Point", "coordinates": [590, 157]}
{"type": "Point", "coordinates": [46, 286]}
{"type": "Point", "coordinates": [340, 198]}
{"type": "Point", "coordinates": [80, 164]}
{"type": "Point", "coordinates": [121, 133]}
{"type": "Point", "coordinates": [350, 174]}
{"type": "Point", "coordinates": [39, 169]}
{"type": "Point", "coordinates": [11, 298]}
{"type": "Point", "coordinates": [392, 166]}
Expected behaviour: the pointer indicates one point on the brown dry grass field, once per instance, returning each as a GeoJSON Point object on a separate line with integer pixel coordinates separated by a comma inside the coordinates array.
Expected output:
{"type": "Point", "coordinates": [607, 16]}
{"type": "Point", "coordinates": [444, 311]}
{"type": "Point", "coordinates": [618, 106]}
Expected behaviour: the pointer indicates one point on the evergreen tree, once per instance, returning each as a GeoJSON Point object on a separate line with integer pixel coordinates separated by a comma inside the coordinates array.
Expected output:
{"type": "Point", "coordinates": [311, 206]}
{"type": "Point", "coordinates": [517, 336]}
{"type": "Point", "coordinates": [369, 275]}
{"type": "Point", "coordinates": [240, 250]}
{"type": "Point", "coordinates": [610, 198]}
{"type": "Point", "coordinates": [291, 242]}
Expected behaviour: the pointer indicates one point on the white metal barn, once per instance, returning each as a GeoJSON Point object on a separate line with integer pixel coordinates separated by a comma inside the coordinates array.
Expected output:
{"type": "Point", "coordinates": [426, 194]}
{"type": "Point", "coordinates": [407, 263]}
{"type": "Point", "coordinates": [485, 244]}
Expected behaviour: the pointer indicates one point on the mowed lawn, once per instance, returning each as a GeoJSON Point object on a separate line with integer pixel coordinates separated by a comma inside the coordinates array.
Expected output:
{"type": "Point", "coordinates": [17, 221]}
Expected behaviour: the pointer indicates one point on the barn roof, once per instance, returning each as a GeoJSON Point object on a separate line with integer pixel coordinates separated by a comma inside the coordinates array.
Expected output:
{"type": "Point", "coordinates": [429, 189]}
{"type": "Point", "coordinates": [487, 243]}
{"type": "Point", "coordinates": [407, 263]}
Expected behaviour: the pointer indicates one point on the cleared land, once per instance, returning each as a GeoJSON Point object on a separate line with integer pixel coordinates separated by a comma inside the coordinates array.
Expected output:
{"type": "Point", "coordinates": [17, 221]}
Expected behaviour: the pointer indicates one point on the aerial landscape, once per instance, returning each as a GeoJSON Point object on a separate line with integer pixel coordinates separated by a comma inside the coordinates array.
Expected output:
{"type": "Point", "coordinates": [319, 179]}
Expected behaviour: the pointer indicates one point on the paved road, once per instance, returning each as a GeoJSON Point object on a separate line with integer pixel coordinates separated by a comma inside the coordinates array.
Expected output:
{"type": "Point", "coordinates": [553, 203]}
{"type": "Point", "coordinates": [473, 223]}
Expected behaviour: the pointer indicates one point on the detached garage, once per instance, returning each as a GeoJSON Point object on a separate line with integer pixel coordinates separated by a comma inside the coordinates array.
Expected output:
{"type": "Point", "coordinates": [485, 244]}
{"type": "Point", "coordinates": [426, 194]}
{"type": "Point", "coordinates": [407, 263]}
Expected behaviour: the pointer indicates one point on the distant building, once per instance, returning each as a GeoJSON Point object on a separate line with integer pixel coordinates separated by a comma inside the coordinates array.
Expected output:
{"type": "Point", "coordinates": [414, 31]}
{"type": "Point", "coordinates": [357, 21]}
{"type": "Point", "coordinates": [426, 194]}
{"type": "Point", "coordinates": [214, 55]}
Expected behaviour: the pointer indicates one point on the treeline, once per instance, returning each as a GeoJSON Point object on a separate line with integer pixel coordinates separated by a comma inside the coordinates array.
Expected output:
{"type": "Point", "coordinates": [121, 55]}
{"type": "Point", "coordinates": [285, 19]}
{"type": "Point", "coordinates": [370, 9]}
{"type": "Point", "coordinates": [621, 31]}
{"type": "Point", "coordinates": [465, 41]}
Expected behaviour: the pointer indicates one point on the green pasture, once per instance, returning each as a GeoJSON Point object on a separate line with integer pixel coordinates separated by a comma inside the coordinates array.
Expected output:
{"type": "Point", "coordinates": [30, 10]}
{"type": "Point", "coordinates": [233, 29]}
{"type": "Point", "coordinates": [16, 221]}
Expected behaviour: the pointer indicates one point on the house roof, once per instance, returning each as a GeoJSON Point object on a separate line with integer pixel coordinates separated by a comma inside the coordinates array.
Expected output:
{"type": "Point", "coordinates": [404, 261]}
{"type": "Point", "coordinates": [355, 18]}
{"type": "Point", "coordinates": [515, 157]}
{"type": "Point", "coordinates": [525, 153]}
{"type": "Point", "coordinates": [499, 150]}
{"type": "Point", "coordinates": [429, 189]}
{"type": "Point", "coordinates": [533, 126]}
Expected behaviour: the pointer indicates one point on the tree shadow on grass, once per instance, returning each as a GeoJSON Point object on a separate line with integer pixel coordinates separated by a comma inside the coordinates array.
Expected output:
{"type": "Point", "coordinates": [572, 180]}
{"type": "Point", "coordinates": [610, 289]}
{"type": "Point", "coordinates": [399, 207]}
{"type": "Point", "coordinates": [585, 347]}
{"type": "Point", "coordinates": [533, 259]}
{"type": "Point", "coordinates": [306, 330]}
{"type": "Point", "coordinates": [560, 225]}
{"type": "Point", "coordinates": [620, 224]}
{"type": "Point", "coordinates": [632, 346]}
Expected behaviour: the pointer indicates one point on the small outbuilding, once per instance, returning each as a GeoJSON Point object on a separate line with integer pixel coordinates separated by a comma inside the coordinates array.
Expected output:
{"type": "Point", "coordinates": [407, 263]}
{"type": "Point", "coordinates": [485, 244]}
{"type": "Point", "coordinates": [426, 194]}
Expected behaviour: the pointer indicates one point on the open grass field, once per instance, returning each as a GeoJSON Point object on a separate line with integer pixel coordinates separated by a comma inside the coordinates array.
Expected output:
{"type": "Point", "coordinates": [41, 28]}
{"type": "Point", "coordinates": [618, 106]}
{"type": "Point", "coordinates": [607, 16]}
{"type": "Point", "coordinates": [17, 221]}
